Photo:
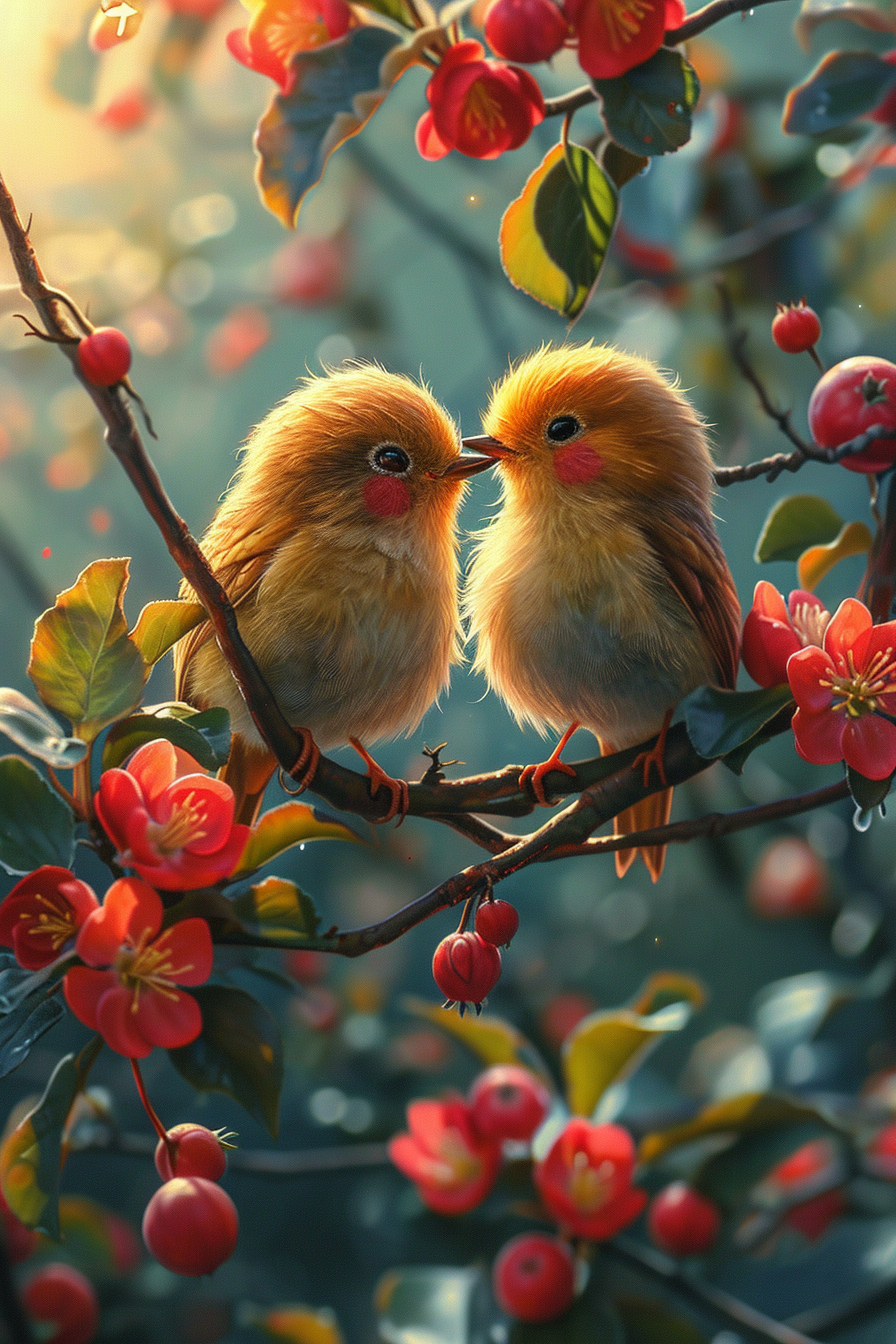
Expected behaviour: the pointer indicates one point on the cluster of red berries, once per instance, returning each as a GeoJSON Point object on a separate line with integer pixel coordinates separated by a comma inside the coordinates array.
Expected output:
{"type": "Point", "coordinates": [191, 1224]}
{"type": "Point", "coordinates": [853, 396]}
{"type": "Point", "coordinates": [55, 1295]}
{"type": "Point", "coordinates": [466, 965]}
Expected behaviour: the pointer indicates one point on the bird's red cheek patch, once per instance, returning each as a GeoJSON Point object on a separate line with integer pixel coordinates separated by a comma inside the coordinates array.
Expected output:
{"type": "Point", "coordinates": [576, 463]}
{"type": "Point", "coordinates": [386, 497]}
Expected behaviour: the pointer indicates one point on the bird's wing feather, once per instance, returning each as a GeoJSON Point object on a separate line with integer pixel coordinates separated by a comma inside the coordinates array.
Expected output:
{"type": "Point", "coordinates": [696, 568]}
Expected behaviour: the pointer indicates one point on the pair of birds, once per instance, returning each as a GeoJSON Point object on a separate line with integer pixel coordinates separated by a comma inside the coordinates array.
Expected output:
{"type": "Point", "coordinates": [598, 595]}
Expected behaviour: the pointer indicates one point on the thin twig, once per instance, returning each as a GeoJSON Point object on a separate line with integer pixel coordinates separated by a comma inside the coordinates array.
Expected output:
{"type": "Point", "coordinates": [846, 1311]}
{"type": "Point", "coordinates": [261, 1162]}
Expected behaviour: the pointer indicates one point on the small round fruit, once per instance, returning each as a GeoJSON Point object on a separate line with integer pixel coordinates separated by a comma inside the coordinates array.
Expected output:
{"type": "Point", "coordinates": [789, 879]}
{"type": "Point", "coordinates": [465, 967]}
{"type": "Point", "coordinates": [681, 1221]}
{"type": "Point", "coordinates": [882, 1151]}
{"type": "Point", "coordinates": [197, 1152]}
{"type": "Point", "coordinates": [497, 922]}
{"type": "Point", "coordinates": [851, 397]}
{"type": "Point", "coordinates": [58, 1295]}
{"type": "Point", "coordinates": [525, 30]}
{"type": "Point", "coordinates": [508, 1102]}
{"type": "Point", "coordinates": [191, 1225]}
{"type": "Point", "coordinates": [795, 328]}
{"type": "Point", "coordinates": [534, 1277]}
{"type": "Point", "coordinates": [104, 356]}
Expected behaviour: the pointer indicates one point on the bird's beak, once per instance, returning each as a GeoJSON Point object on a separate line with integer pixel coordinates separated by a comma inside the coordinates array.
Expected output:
{"type": "Point", "coordinates": [467, 464]}
{"type": "Point", "coordinates": [484, 443]}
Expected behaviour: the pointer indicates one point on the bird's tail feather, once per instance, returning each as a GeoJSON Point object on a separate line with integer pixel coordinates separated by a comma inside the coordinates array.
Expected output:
{"type": "Point", "coordinates": [650, 812]}
{"type": "Point", "coordinates": [248, 770]}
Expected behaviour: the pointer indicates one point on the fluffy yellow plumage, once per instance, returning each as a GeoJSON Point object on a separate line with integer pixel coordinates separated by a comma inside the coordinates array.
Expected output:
{"type": "Point", "coordinates": [337, 544]}
{"type": "Point", "coordinates": [599, 595]}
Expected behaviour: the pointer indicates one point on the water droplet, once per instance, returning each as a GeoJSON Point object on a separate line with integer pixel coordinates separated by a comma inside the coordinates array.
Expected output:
{"type": "Point", "coordinates": [862, 820]}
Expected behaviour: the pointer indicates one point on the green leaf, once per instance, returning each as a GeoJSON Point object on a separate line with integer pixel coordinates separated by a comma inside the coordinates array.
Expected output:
{"type": "Point", "coordinates": [431, 1306]}
{"type": "Point", "coordinates": [337, 89]}
{"type": "Point", "coordinates": [844, 85]}
{"type": "Point", "coordinates": [83, 662]}
{"type": "Point", "coordinates": [490, 1038]}
{"type": "Point", "coordinates": [36, 826]}
{"type": "Point", "coordinates": [554, 236]}
{"type": "Point", "coordinates": [736, 1115]}
{"type": "Point", "coordinates": [588, 1321]}
{"type": "Point", "coordinates": [719, 721]}
{"type": "Point", "coordinates": [285, 826]}
{"type": "Point", "coordinates": [791, 1011]}
{"type": "Point", "coordinates": [30, 726]}
{"type": "Point", "coordinates": [396, 10]}
{"type": "Point", "coordinates": [31, 1156]}
{"type": "Point", "coordinates": [868, 793]}
{"type": "Point", "coordinates": [27, 1007]}
{"type": "Point", "coordinates": [647, 1321]}
{"type": "Point", "coordinates": [648, 109]}
{"type": "Point", "coordinates": [238, 1052]}
{"type": "Point", "coordinates": [794, 524]}
{"type": "Point", "coordinates": [277, 909]}
{"type": "Point", "coordinates": [606, 1047]}
{"type": "Point", "coordinates": [77, 67]}
{"type": "Point", "coordinates": [879, 15]}
{"type": "Point", "coordinates": [161, 624]}
{"type": "Point", "coordinates": [205, 736]}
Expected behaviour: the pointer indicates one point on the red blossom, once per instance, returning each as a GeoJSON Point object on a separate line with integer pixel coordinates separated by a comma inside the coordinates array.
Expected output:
{"type": "Point", "coordinates": [169, 820]}
{"type": "Point", "coordinates": [615, 35]}
{"type": "Point", "coordinates": [585, 1181]}
{"type": "Point", "coordinates": [842, 689]}
{"type": "Point", "coordinates": [135, 1004]}
{"type": "Point", "coordinates": [478, 106]}
{"type": "Point", "coordinates": [451, 1165]}
{"type": "Point", "coordinates": [279, 29]}
{"type": "Point", "coordinates": [42, 913]}
{"type": "Point", "coordinates": [773, 631]}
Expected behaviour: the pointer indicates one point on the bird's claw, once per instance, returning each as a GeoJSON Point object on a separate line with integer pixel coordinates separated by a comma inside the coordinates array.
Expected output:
{"type": "Point", "coordinates": [398, 789]}
{"type": "Point", "coordinates": [534, 776]}
{"type": "Point", "coordinates": [645, 759]}
{"type": "Point", "coordinates": [305, 765]}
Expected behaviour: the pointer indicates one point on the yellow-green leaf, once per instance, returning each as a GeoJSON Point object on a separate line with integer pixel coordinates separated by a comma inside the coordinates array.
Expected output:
{"type": "Point", "coordinates": [813, 564]}
{"type": "Point", "coordinates": [793, 524]}
{"type": "Point", "coordinates": [30, 1156]}
{"type": "Point", "coordinates": [492, 1039]}
{"type": "Point", "coordinates": [665, 987]}
{"type": "Point", "coordinates": [285, 826]}
{"type": "Point", "coordinates": [161, 624]}
{"type": "Point", "coordinates": [606, 1047]}
{"type": "Point", "coordinates": [749, 1111]}
{"type": "Point", "coordinates": [297, 1325]}
{"type": "Point", "coordinates": [554, 236]}
{"type": "Point", "coordinates": [279, 910]}
{"type": "Point", "coordinates": [83, 661]}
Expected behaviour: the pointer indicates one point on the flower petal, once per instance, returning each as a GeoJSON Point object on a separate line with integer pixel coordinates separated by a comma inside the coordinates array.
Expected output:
{"type": "Point", "coordinates": [869, 746]}
{"type": "Point", "coordinates": [170, 1020]}
{"type": "Point", "coordinates": [430, 144]}
{"type": "Point", "coordinates": [131, 911]}
{"type": "Point", "coordinates": [208, 804]}
{"type": "Point", "coordinates": [116, 1020]}
{"type": "Point", "coordinates": [848, 623]}
{"type": "Point", "coordinates": [818, 736]}
{"type": "Point", "coordinates": [154, 767]}
{"type": "Point", "coordinates": [767, 601]}
{"type": "Point", "coordinates": [190, 951]}
{"type": "Point", "coordinates": [767, 644]}
{"type": "Point", "coordinates": [807, 671]}
{"type": "Point", "coordinates": [83, 990]}
{"type": "Point", "coordinates": [117, 797]}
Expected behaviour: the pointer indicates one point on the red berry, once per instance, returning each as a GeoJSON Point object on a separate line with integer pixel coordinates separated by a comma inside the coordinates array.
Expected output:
{"type": "Point", "coordinates": [508, 1102]}
{"type": "Point", "coordinates": [525, 30]}
{"type": "Point", "coordinates": [682, 1221]}
{"type": "Point", "coordinates": [885, 112]}
{"type": "Point", "coordinates": [497, 922]}
{"type": "Point", "coordinates": [796, 328]}
{"type": "Point", "coordinates": [882, 1151]}
{"type": "Point", "coordinates": [789, 879]}
{"type": "Point", "coordinates": [851, 397]}
{"type": "Point", "coordinates": [534, 1277]}
{"type": "Point", "coordinates": [104, 356]}
{"type": "Point", "coordinates": [197, 1152]}
{"type": "Point", "coordinates": [191, 1225]}
{"type": "Point", "coordinates": [305, 965]}
{"type": "Point", "coordinates": [465, 967]}
{"type": "Point", "coordinates": [58, 1295]}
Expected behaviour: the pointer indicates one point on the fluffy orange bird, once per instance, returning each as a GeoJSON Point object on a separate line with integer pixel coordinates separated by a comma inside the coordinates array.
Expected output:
{"type": "Point", "coordinates": [599, 595]}
{"type": "Point", "coordinates": [337, 545]}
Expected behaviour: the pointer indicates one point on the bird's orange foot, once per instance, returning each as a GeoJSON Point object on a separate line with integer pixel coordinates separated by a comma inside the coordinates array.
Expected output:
{"type": "Point", "coordinates": [534, 775]}
{"type": "Point", "coordinates": [305, 765]}
{"type": "Point", "coordinates": [645, 759]}
{"type": "Point", "coordinates": [398, 788]}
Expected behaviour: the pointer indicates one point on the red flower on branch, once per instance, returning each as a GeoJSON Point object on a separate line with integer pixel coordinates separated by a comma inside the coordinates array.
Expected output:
{"type": "Point", "coordinates": [451, 1165]}
{"type": "Point", "coordinates": [478, 106]}
{"type": "Point", "coordinates": [169, 820]}
{"type": "Point", "coordinates": [279, 29]}
{"type": "Point", "coordinates": [42, 913]}
{"type": "Point", "coordinates": [842, 689]}
{"type": "Point", "coordinates": [135, 1003]}
{"type": "Point", "coordinates": [774, 630]}
{"type": "Point", "coordinates": [585, 1181]}
{"type": "Point", "coordinates": [615, 35]}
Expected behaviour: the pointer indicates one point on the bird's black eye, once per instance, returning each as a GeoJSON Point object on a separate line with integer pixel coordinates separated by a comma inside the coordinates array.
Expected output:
{"type": "Point", "coordinates": [563, 427]}
{"type": "Point", "coordinates": [390, 458]}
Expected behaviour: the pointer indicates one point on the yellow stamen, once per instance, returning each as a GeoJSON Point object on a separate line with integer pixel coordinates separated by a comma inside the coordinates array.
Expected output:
{"type": "Point", "coordinates": [589, 1187]}
{"type": "Point", "coordinates": [810, 622]}
{"type": "Point", "coordinates": [187, 823]}
{"type": "Point", "coordinates": [483, 111]}
{"type": "Point", "coordinates": [861, 691]}
{"type": "Point", "coordinates": [461, 1163]}
{"type": "Point", "coordinates": [622, 20]}
{"type": "Point", "coordinates": [149, 964]}
{"type": "Point", "coordinates": [57, 922]}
